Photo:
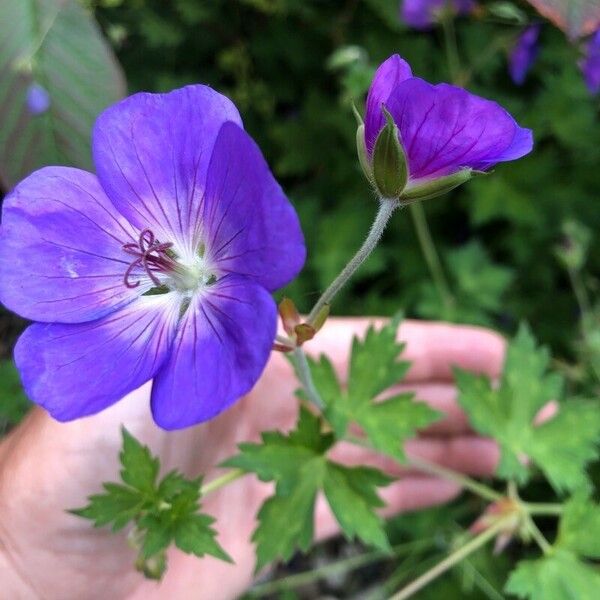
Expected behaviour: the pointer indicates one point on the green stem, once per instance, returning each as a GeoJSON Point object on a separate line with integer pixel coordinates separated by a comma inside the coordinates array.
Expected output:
{"type": "Point", "coordinates": [542, 509]}
{"type": "Point", "coordinates": [306, 378]}
{"type": "Point", "coordinates": [430, 254]}
{"type": "Point", "coordinates": [537, 535]}
{"type": "Point", "coordinates": [219, 482]}
{"type": "Point", "coordinates": [451, 560]}
{"type": "Point", "coordinates": [451, 45]}
{"type": "Point", "coordinates": [466, 482]}
{"type": "Point", "coordinates": [341, 566]}
{"type": "Point", "coordinates": [386, 209]}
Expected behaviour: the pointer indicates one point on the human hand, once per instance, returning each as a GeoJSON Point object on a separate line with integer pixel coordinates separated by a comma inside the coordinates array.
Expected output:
{"type": "Point", "coordinates": [47, 467]}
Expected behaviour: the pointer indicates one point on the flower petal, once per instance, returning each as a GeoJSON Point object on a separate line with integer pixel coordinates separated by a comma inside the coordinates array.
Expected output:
{"type": "Point", "coordinates": [445, 128]}
{"type": "Point", "coordinates": [152, 151]}
{"type": "Point", "coordinates": [389, 74]}
{"type": "Point", "coordinates": [421, 14]}
{"type": "Point", "coordinates": [248, 225]}
{"type": "Point", "coordinates": [524, 53]}
{"type": "Point", "coordinates": [79, 369]}
{"type": "Point", "coordinates": [591, 64]}
{"type": "Point", "coordinates": [221, 349]}
{"type": "Point", "coordinates": [61, 248]}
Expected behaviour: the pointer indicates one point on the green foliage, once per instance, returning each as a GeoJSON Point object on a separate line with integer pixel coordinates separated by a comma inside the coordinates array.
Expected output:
{"type": "Point", "coordinates": [13, 402]}
{"type": "Point", "coordinates": [160, 512]}
{"type": "Point", "coordinates": [558, 576]}
{"type": "Point", "coordinates": [479, 286]}
{"type": "Point", "coordinates": [579, 529]}
{"type": "Point", "coordinates": [374, 368]}
{"type": "Point", "coordinates": [57, 45]}
{"type": "Point", "coordinates": [561, 447]}
{"type": "Point", "coordinates": [298, 464]}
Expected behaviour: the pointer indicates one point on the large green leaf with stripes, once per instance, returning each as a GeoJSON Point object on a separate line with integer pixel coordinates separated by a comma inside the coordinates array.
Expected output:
{"type": "Point", "coordinates": [576, 17]}
{"type": "Point", "coordinates": [54, 50]}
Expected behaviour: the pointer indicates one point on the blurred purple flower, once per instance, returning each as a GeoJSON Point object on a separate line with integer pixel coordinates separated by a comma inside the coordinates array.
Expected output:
{"type": "Point", "coordinates": [37, 99]}
{"type": "Point", "coordinates": [160, 267]}
{"type": "Point", "coordinates": [524, 53]}
{"type": "Point", "coordinates": [591, 64]}
{"type": "Point", "coordinates": [422, 14]}
{"type": "Point", "coordinates": [443, 129]}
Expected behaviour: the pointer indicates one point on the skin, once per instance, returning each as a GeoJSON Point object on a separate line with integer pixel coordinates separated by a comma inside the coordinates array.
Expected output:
{"type": "Point", "coordinates": [47, 467]}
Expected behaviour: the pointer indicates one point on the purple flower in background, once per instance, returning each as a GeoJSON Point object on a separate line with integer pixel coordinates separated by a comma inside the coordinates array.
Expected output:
{"type": "Point", "coordinates": [443, 129]}
{"type": "Point", "coordinates": [160, 267]}
{"type": "Point", "coordinates": [524, 53]}
{"type": "Point", "coordinates": [37, 99]}
{"type": "Point", "coordinates": [422, 14]}
{"type": "Point", "coordinates": [591, 64]}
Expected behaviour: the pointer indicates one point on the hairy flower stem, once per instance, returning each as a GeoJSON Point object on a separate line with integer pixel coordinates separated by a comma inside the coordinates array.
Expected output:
{"type": "Point", "coordinates": [306, 379]}
{"type": "Point", "coordinates": [430, 254]}
{"type": "Point", "coordinates": [386, 209]}
{"type": "Point", "coordinates": [451, 560]}
{"type": "Point", "coordinates": [466, 482]}
{"type": "Point", "coordinates": [222, 481]}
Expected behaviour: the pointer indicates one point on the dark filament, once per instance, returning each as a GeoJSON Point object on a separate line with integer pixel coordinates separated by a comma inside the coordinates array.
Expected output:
{"type": "Point", "coordinates": [151, 255]}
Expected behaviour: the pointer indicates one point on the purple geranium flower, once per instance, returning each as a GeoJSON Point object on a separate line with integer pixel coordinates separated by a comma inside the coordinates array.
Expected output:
{"type": "Point", "coordinates": [422, 14]}
{"type": "Point", "coordinates": [160, 267]}
{"type": "Point", "coordinates": [524, 53]}
{"type": "Point", "coordinates": [37, 99]}
{"type": "Point", "coordinates": [443, 129]}
{"type": "Point", "coordinates": [591, 64]}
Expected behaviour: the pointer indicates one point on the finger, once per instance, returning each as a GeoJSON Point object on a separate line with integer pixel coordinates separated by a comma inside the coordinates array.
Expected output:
{"type": "Point", "coordinates": [410, 493]}
{"type": "Point", "coordinates": [434, 349]}
{"type": "Point", "coordinates": [471, 455]}
{"type": "Point", "coordinates": [467, 454]}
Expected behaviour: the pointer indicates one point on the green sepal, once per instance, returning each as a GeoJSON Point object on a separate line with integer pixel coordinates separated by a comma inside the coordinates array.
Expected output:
{"type": "Point", "coordinates": [363, 157]}
{"type": "Point", "coordinates": [437, 187]}
{"type": "Point", "coordinates": [390, 167]}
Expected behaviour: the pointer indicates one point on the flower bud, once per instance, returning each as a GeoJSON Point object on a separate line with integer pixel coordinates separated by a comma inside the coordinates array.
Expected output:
{"type": "Point", "coordinates": [437, 187]}
{"type": "Point", "coordinates": [390, 169]}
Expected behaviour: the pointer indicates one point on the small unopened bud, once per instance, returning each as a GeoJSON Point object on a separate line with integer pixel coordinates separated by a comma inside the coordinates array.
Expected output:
{"type": "Point", "coordinates": [390, 168]}
{"type": "Point", "coordinates": [436, 187]}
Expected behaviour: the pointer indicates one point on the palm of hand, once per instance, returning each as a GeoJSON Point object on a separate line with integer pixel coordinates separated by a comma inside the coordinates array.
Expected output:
{"type": "Point", "coordinates": [47, 467]}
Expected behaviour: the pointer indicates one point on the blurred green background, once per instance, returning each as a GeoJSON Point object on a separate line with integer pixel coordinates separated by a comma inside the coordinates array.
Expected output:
{"type": "Point", "coordinates": [518, 245]}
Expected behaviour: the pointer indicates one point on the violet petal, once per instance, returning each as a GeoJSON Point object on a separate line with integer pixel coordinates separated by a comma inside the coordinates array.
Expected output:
{"type": "Point", "coordinates": [152, 151]}
{"type": "Point", "coordinates": [61, 255]}
{"type": "Point", "coordinates": [79, 369]}
{"type": "Point", "coordinates": [222, 346]}
{"type": "Point", "coordinates": [444, 128]}
{"type": "Point", "coordinates": [247, 223]}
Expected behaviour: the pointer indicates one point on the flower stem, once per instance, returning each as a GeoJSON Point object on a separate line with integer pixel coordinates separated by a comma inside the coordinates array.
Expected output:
{"type": "Point", "coordinates": [430, 254]}
{"type": "Point", "coordinates": [466, 482]}
{"type": "Point", "coordinates": [537, 535]}
{"type": "Point", "coordinates": [451, 45]}
{"type": "Point", "coordinates": [386, 209]}
{"type": "Point", "coordinates": [451, 560]}
{"type": "Point", "coordinates": [222, 481]}
{"type": "Point", "coordinates": [341, 566]}
{"type": "Point", "coordinates": [542, 509]}
{"type": "Point", "coordinates": [306, 378]}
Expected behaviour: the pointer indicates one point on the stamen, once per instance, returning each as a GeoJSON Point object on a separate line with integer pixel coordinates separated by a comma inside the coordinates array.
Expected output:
{"type": "Point", "coordinates": [152, 255]}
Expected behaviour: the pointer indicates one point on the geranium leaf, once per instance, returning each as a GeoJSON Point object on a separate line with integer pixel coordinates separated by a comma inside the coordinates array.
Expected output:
{"type": "Point", "coordinates": [507, 413]}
